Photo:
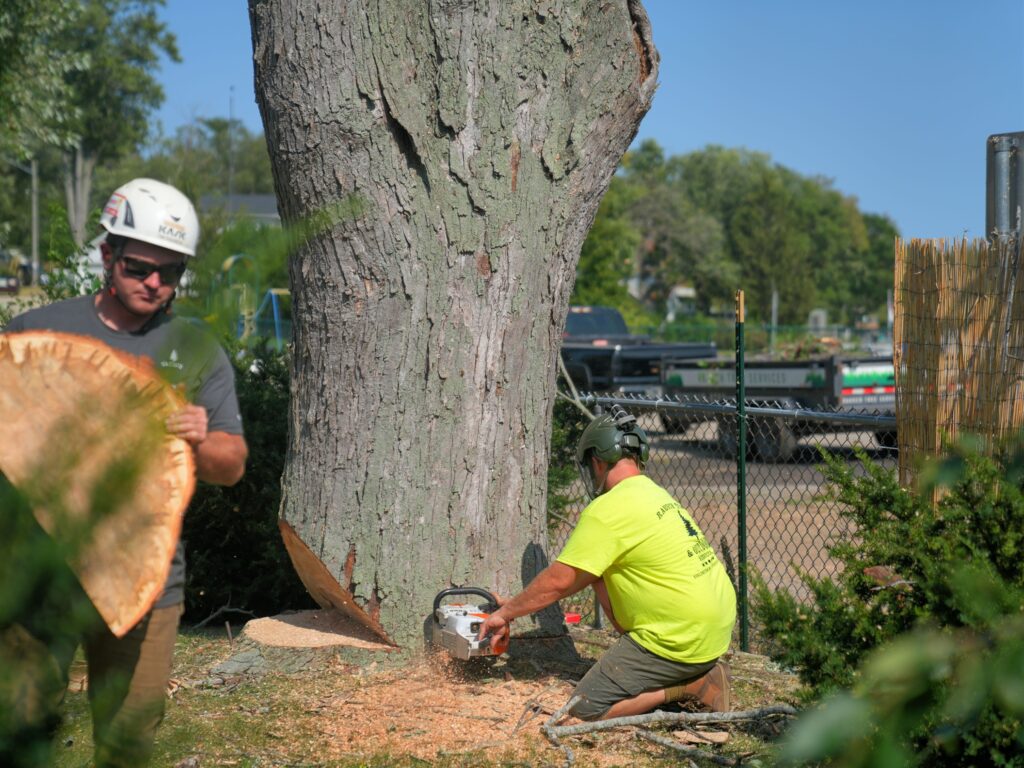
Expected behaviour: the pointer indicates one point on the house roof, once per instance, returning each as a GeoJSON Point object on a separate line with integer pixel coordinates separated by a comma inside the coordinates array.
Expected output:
{"type": "Point", "coordinates": [259, 207]}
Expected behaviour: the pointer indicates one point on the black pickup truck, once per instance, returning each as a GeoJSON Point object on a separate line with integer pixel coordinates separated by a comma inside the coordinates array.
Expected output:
{"type": "Point", "coordinates": [601, 355]}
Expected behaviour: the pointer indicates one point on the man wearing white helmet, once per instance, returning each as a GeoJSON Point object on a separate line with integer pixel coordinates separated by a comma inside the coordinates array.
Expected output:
{"type": "Point", "coordinates": [152, 231]}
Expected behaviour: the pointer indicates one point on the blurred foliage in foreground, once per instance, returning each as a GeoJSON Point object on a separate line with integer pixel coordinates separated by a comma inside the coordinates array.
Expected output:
{"type": "Point", "coordinates": [917, 645]}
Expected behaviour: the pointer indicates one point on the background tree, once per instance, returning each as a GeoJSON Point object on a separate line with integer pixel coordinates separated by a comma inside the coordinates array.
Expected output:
{"type": "Point", "coordinates": [209, 156]}
{"type": "Point", "coordinates": [190, 159]}
{"type": "Point", "coordinates": [871, 276]}
{"type": "Point", "coordinates": [609, 252]}
{"type": "Point", "coordinates": [35, 108]}
{"type": "Point", "coordinates": [115, 94]}
{"type": "Point", "coordinates": [718, 219]}
{"type": "Point", "coordinates": [471, 143]}
{"type": "Point", "coordinates": [682, 244]}
{"type": "Point", "coordinates": [773, 250]}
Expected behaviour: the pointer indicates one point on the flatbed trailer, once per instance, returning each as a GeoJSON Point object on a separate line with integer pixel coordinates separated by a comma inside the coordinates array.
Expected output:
{"type": "Point", "coordinates": [865, 385]}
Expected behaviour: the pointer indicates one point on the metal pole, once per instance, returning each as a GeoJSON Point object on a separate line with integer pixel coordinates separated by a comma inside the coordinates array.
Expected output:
{"type": "Point", "coordinates": [1001, 155]}
{"type": "Point", "coordinates": [1004, 185]}
{"type": "Point", "coordinates": [741, 472]}
{"type": "Point", "coordinates": [775, 321]}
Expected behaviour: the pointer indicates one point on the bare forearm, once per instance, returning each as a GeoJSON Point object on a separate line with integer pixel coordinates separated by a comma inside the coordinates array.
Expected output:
{"type": "Point", "coordinates": [550, 585]}
{"type": "Point", "coordinates": [220, 458]}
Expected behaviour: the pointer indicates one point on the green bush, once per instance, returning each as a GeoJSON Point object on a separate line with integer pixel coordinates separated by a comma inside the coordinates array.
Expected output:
{"type": "Point", "coordinates": [235, 553]}
{"type": "Point", "coordinates": [903, 565]}
{"type": "Point", "coordinates": [932, 697]}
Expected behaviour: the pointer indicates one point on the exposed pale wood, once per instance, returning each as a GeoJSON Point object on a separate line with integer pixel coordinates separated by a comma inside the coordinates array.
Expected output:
{"type": "Point", "coordinates": [322, 586]}
{"type": "Point", "coordinates": [80, 418]}
{"type": "Point", "coordinates": [312, 629]}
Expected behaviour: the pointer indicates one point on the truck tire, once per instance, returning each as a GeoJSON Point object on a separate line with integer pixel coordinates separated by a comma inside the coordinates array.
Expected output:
{"type": "Point", "coordinates": [774, 440]}
{"type": "Point", "coordinates": [887, 439]}
{"type": "Point", "coordinates": [727, 441]}
{"type": "Point", "coordinates": [673, 426]}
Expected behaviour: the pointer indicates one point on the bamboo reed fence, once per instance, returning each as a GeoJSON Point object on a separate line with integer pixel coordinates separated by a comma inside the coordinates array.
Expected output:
{"type": "Point", "coordinates": [958, 344]}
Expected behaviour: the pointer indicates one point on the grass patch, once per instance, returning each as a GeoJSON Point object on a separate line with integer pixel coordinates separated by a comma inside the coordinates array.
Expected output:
{"type": "Point", "coordinates": [345, 715]}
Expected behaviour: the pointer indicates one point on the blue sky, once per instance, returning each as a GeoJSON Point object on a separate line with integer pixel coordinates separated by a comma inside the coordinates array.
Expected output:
{"type": "Point", "coordinates": [890, 99]}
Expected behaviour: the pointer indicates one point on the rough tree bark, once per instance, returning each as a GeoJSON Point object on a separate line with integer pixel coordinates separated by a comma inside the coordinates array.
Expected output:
{"type": "Point", "coordinates": [476, 139]}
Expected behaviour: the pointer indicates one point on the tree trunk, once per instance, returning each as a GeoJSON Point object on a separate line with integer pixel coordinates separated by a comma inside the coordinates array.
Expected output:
{"type": "Point", "coordinates": [78, 169]}
{"type": "Point", "coordinates": [471, 142]}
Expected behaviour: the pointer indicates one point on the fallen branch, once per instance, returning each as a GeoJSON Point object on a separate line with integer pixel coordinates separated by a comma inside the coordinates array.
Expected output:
{"type": "Point", "coordinates": [553, 732]}
{"type": "Point", "coordinates": [549, 729]}
{"type": "Point", "coordinates": [671, 717]}
{"type": "Point", "coordinates": [696, 752]}
{"type": "Point", "coordinates": [219, 612]}
{"type": "Point", "coordinates": [532, 708]}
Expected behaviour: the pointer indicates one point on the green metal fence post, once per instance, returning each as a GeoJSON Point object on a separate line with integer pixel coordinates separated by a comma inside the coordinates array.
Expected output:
{"type": "Point", "coordinates": [741, 473]}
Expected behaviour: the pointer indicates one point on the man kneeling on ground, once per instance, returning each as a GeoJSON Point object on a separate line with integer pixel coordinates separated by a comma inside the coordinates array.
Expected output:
{"type": "Point", "coordinates": [655, 576]}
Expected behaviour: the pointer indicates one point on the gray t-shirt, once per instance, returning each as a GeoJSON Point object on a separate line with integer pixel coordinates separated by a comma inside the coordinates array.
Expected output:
{"type": "Point", "coordinates": [184, 354]}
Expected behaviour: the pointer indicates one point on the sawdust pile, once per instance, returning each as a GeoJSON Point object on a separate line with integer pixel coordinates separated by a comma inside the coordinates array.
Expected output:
{"type": "Point", "coordinates": [312, 629]}
{"type": "Point", "coordinates": [436, 708]}
{"type": "Point", "coordinates": [441, 708]}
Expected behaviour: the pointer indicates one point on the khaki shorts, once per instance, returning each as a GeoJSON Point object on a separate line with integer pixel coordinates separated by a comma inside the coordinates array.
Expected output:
{"type": "Point", "coordinates": [627, 670]}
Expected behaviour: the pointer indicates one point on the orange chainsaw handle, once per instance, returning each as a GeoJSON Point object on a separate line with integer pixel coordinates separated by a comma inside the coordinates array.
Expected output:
{"type": "Point", "coordinates": [502, 645]}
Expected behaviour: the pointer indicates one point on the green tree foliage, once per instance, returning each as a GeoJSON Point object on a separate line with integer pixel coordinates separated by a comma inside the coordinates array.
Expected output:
{"type": "Point", "coordinates": [871, 275]}
{"type": "Point", "coordinates": [961, 692]}
{"type": "Point", "coordinates": [190, 160]}
{"type": "Point", "coordinates": [115, 94]}
{"type": "Point", "coordinates": [608, 252]}
{"type": "Point", "coordinates": [118, 91]}
{"type": "Point", "coordinates": [35, 98]}
{"type": "Point", "coordinates": [773, 248]}
{"type": "Point", "coordinates": [720, 219]}
{"type": "Point", "coordinates": [209, 156]}
{"type": "Point", "coordinates": [952, 572]}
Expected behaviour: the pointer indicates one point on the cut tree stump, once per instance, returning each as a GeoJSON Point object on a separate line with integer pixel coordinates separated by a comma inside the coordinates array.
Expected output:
{"type": "Point", "coordinates": [301, 641]}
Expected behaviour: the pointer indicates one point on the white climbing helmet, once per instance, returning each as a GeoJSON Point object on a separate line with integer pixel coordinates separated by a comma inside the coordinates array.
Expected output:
{"type": "Point", "coordinates": [153, 212]}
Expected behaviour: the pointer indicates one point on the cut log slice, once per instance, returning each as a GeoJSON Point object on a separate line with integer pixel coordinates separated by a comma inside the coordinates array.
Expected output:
{"type": "Point", "coordinates": [85, 442]}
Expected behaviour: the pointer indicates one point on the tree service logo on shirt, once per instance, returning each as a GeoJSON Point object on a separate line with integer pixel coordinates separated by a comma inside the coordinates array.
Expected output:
{"type": "Point", "coordinates": [172, 361]}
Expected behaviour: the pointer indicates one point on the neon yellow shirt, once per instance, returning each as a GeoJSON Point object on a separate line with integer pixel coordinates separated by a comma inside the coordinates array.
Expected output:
{"type": "Point", "coordinates": [665, 584]}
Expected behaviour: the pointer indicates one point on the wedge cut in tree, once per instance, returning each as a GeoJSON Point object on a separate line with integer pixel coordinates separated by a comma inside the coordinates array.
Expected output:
{"type": "Point", "coordinates": [85, 443]}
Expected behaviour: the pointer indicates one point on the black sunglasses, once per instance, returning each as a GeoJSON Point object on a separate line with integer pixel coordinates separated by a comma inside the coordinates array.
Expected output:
{"type": "Point", "coordinates": [170, 274]}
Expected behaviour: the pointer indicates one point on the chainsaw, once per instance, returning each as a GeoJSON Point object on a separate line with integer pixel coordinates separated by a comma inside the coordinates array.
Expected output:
{"type": "Point", "coordinates": [455, 626]}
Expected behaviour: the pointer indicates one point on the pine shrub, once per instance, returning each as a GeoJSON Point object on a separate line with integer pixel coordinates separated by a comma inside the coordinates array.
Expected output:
{"type": "Point", "coordinates": [235, 554]}
{"type": "Point", "coordinates": [950, 568]}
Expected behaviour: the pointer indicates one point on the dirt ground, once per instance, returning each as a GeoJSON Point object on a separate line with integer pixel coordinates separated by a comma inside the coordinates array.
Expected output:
{"type": "Point", "coordinates": [368, 707]}
{"type": "Point", "coordinates": [378, 709]}
{"type": "Point", "coordinates": [435, 709]}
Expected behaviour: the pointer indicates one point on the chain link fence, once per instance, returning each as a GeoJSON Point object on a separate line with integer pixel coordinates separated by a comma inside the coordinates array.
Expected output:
{"type": "Point", "coordinates": [788, 518]}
